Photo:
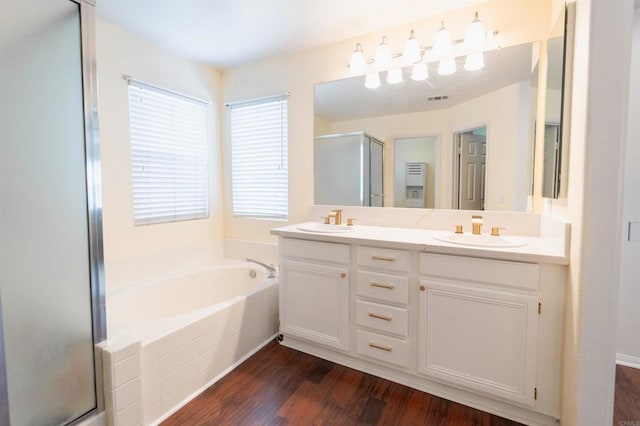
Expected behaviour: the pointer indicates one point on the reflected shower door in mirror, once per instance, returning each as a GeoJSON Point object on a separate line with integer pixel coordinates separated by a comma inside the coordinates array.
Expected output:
{"type": "Point", "coordinates": [499, 96]}
{"type": "Point", "coordinates": [348, 170]}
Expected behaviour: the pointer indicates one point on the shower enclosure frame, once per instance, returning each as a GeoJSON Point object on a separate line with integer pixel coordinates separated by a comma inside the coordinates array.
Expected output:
{"type": "Point", "coordinates": [94, 209]}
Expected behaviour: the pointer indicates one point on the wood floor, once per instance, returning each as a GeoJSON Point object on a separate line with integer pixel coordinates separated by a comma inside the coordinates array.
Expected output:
{"type": "Point", "coordinates": [280, 386]}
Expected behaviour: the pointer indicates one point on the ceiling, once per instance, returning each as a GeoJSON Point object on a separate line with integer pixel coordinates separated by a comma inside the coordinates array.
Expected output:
{"type": "Point", "coordinates": [228, 33]}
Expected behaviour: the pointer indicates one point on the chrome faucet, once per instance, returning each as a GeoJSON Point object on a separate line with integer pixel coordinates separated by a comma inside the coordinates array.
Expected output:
{"type": "Point", "coordinates": [270, 268]}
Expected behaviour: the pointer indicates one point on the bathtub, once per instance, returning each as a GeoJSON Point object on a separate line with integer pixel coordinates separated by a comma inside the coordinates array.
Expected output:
{"type": "Point", "coordinates": [171, 338]}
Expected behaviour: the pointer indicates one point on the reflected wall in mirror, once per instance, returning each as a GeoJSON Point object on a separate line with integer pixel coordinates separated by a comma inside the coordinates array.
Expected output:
{"type": "Point", "coordinates": [552, 159]}
{"type": "Point", "coordinates": [499, 97]}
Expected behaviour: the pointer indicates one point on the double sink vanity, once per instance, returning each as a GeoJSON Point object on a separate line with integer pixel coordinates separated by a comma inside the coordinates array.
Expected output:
{"type": "Point", "coordinates": [476, 319]}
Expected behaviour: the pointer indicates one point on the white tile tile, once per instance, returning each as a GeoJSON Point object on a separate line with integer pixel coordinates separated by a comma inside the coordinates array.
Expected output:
{"type": "Point", "coordinates": [189, 371]}
{"type": "Point", "coordinates": [152, 412]}
{"type": "Point", "coordinates": [130, 416]}
{"type": "Point", "coordinates": [151, 372]}
{"type": "Point", "coordinates": [107, 374]}
{"type": "Point", "coordinates": [189, 352]}
{"type": "Point", "coordinates": [188, 334]}
{"type": "Point", "coordinates": [151, 352]}
{"type": "Point", "coordinates": [126, 370]}
{"type": "Point", "coordinates": [169, 363]}
{"type": "Point", "coordinates": [170, 384]}
{"type": "Point", "coordinates": [192, 385]}
{"type": "Point", "coordinates": [168, 343]}
{"type": "Point", "coordinates": [110, 401]}
{"type": "Point", "coordinates": [151, 393]}
{"type": "Point", "coordinates": [125, 348]}
{"type": "Point", "coordinates": [171, 400]}
{"type": "Point", "coordinates": [128, 393]}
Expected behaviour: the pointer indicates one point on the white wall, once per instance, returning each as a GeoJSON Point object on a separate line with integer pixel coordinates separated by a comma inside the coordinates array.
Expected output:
{"type": "Point", "coordinates": [628, 346]}
{"type": "Point", "coordinates": [508, 146]}
{"type": "Point", "coordinates": [133, 251]}
{"type": "Point", "coordinates": [518, 22]}
{"type": "Point", "coordinates": [597, 136]}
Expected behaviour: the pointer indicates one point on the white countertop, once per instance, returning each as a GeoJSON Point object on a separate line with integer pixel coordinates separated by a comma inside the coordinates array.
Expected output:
{"type": "Point", "coordinates": [537, 249]}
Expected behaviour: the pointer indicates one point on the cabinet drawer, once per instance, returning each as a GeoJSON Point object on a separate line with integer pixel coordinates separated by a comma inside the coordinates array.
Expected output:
{"type": "Point", "coordinates": [393, 260]}
{"type": "Point", "coordinates": [314, 250]}
{"type": "Point", "coordinates": [381, 317]}
{"type": "Point", "coordinates": [387, 288]}
{"type": "Point", "coordinates": [497, 272]}
{"type": "Point", "coordinates": [383, 348]}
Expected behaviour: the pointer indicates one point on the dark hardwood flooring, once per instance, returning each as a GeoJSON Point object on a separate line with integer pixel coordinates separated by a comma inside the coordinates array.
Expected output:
{"type": "Point", "coordinates": [281, 386]}
{"type": "Point", "coordinates": [626, 406]}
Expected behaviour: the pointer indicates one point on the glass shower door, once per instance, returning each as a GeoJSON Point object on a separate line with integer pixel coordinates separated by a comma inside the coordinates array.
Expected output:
{"type": "Point", "coordinates": [45, 269]}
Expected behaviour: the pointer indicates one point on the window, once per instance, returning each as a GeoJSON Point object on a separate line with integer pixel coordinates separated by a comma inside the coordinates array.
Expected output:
{"type": "Point", "coordinates": [168, 155]}
{"type": "Point", "coordinates": [259, 158]}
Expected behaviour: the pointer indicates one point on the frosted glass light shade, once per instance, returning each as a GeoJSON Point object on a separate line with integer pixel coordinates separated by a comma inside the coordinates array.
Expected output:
{"type": "Point", "coordinates": [372, 80]}
{"type": "Point", "coordinates": [394, 76]}
{"type": "Point", "coordinates": [474, 61]}
{"type": "Point", "coordinates": [420, 72]}
{"type": "Point", "coordinates": [474, 37]}
{"type": "Point", "coordinates": [442, 45]}
{"type": "Point", "coordinates": [411, 52]}
{"type": "Point", "coordinates": [383, 55]}
{"type": "Point", "coordinates": [446, 66]}
{"type": "Point", "coordinates": [358, 64]}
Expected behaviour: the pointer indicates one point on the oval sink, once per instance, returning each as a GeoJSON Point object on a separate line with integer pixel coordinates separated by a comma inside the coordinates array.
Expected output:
{"type": "Point", "coordinates": [484, 240]}
{"type": "Point", "coordinates": [324, 227]}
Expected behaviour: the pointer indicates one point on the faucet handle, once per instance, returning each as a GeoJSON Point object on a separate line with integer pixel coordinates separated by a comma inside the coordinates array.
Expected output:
{"type": "Point", "coordinates": [350, 221]}
{"type": "Point", "coordinates": [495, 231]}
{"type": "Point", "coordinates": [326, 219]}
{"type": "Point", "coordinates": [459, 229]}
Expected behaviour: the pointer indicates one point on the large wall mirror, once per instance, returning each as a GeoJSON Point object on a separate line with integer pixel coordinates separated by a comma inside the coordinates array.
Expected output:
{"type": "Point", "coordinates": [461, 141]}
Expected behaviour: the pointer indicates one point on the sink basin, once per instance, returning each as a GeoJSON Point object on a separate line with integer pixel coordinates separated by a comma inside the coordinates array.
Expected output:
{"type": "Point", "coordinates": [484, 240]}
{"type": "Point", "coordinates": [324, 227]}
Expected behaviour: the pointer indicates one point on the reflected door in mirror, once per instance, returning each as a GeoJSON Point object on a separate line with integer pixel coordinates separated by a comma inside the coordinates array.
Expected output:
{"type": "Point", "coordinates": [472, 166]}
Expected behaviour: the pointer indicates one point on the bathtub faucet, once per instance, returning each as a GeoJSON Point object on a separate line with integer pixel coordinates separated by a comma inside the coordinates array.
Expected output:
{"type": "Point", "coordinates": [270, 268]}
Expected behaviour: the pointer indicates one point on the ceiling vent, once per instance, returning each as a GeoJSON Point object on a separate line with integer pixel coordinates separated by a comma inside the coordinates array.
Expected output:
{"type": "Point", "coordinates": [437, 98]}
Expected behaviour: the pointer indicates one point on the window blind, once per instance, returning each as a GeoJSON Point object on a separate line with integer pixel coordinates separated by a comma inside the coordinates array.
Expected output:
{"type": "Point", "coordinates": [259, 158]}
{"type": "Point", "coordinates": [168, 155]}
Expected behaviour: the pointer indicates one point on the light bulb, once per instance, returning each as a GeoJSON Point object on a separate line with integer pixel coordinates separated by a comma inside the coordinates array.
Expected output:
{"type": "Point", "coordinates": [372, 80]}
{"type": "Point", "coordinates": [420, 72]}
{"type": "Point", "coordinates": [358, 65]}
{"type": "Point", "coordinates": [447, 66]}
{"type": "Point", "coordinates": [474, 61]}
{"type": "Point", "coordinates": [394, 76]}
{"type": "Point", "coordinates": [411, 52]}
{"type": "Point", "coordinates": [442, 45]}
{"type": "Point", "coordinates": [383, 55]}
{"type": "Point", "coordinates": [474, 37]}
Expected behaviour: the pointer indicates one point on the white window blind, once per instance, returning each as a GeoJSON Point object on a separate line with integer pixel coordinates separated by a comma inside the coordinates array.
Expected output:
{"type": "Point", "coordinates": [259, 158]}
{"type": "Point", "coordinates": [168, 155]}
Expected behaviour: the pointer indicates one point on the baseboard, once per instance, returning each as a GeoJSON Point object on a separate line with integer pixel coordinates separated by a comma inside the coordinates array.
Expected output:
{"type": "Point", "coordinates": [628, 360]}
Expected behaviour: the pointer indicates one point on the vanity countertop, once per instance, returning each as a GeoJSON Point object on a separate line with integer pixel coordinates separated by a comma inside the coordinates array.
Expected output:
{"type": "Point", "coordinates": [537, 249]}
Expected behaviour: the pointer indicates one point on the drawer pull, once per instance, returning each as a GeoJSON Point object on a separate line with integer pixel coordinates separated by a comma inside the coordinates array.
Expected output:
{"type": "Point", "coordinates": [381, 285]}
{"type": "Point", "coordinates": [343, 275]}
{"type": "Point", "coordinates": [382, 348]}
{"type": "Point", "coordinates": [385, 258]}
{"type": "Point", "coordinates": [382, 317]}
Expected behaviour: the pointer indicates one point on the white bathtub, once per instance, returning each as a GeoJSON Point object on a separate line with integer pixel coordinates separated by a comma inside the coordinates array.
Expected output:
{"type": "Point", "coordinates": [169, 339]}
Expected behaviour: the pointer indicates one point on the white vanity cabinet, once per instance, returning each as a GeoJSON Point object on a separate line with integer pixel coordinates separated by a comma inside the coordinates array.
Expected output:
{"type": "Point", "coordinates": [478, 327]}
{"type": "Point", "coordinates": [382, 317]}
{"type": "Point", "coordinates": [478, 324]}
{"type": "Point", "coordinates": [314, 292]}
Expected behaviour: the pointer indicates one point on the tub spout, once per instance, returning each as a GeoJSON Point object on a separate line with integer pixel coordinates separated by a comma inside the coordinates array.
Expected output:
{"type": "Point", "coordinates": [270, 268]}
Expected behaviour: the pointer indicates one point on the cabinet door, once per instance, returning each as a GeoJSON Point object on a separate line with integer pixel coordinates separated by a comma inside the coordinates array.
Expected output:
{"type": "Point", "coordinates": [314, 303]}
{"type": "Point", "coordinates": [478, 338]}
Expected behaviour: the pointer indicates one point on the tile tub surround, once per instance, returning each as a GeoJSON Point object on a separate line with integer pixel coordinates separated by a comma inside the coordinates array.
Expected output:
{"type": "Point", "coordinates": [147, 381]}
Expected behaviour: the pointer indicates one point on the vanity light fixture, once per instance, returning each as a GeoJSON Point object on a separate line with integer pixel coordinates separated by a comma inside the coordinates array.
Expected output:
{"type": "Point", "coordinates": [444, 50]}
{"type": "Point", "coordinates": [394, 76]}
{"type": "Point", "coordinates": [358, 65]}
{"type": "Point", "coordinates": [383, 54]}
{"type": "Point", "coordinates": [372, 80]}
{"type": "Point", "coordinates": [474, 43]}
{"type": "Point", "coordinates": [411, 53]}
